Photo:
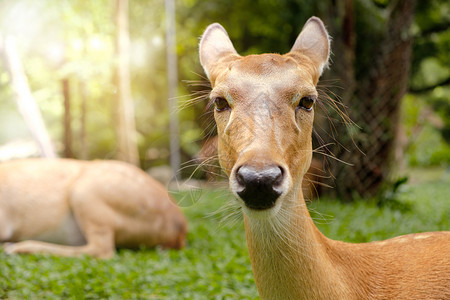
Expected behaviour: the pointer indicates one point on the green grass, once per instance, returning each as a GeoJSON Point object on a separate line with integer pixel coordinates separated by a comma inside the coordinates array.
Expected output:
{"type": "Point", "coordinates": [215, 263]}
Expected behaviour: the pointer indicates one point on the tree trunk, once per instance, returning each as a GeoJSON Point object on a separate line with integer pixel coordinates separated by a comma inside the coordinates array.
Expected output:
{"type": "Point", "coordinates": [172, 83]}
{"type": "Point", "coordinates": [373, 74]}
{"type": "Point", "coordinates": [24, 99]}
{"type": "Point", "coordinates": [83, 96]}
{"type": "Point", "coordinates": [67, 119]}
{"type": "Point", "coordinates": [126, 127]}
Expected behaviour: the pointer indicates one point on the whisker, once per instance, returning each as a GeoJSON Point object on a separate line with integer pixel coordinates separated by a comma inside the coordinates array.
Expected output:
{"type": "Point", "coordinates": [333, 157]}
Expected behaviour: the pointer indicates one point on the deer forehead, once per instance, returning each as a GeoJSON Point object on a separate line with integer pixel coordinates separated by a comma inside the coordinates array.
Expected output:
{"type": "Point", "coordinates": [273, 76]}
{"type": "Point", "coordinates": [265, 64]}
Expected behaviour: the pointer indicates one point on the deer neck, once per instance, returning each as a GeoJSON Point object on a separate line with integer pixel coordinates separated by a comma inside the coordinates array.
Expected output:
{"type": "Point", "coordinates": [289, 255]}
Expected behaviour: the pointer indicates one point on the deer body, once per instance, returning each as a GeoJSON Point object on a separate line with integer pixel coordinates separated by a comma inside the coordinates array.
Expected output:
{"type": "Point", "coordinates": [291, 259]}
{"type": "Point", "coordinates": [68, 207]}
{"type": "Point", "coordinates": [264, 114]}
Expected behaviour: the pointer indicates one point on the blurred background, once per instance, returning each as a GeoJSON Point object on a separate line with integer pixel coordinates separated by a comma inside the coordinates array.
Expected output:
{"type": "Point", "coordinates": [118, 79]}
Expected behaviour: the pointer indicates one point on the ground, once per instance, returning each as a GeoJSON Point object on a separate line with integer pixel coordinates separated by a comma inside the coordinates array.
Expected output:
{"type": "Point", "coordinates": [215, 263]}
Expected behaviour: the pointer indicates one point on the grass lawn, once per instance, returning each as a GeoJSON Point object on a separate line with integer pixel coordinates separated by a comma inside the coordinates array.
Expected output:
{"type": "Point", "coordinates": [215, 263]}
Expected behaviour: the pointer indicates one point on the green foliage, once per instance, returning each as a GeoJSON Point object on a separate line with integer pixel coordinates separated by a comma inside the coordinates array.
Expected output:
{"type": "Point", "coordinates": [389, 195]}
{"type": "Point", "coordinates": [365, 221]}
{"type": "Point", "coordinates": [215, 263]}
{"type": "Point", "coordinates": [425, 120]}
{"type": "Point", "coordinates": [430, 85]}
{"type": "Point", "coordinates": [431, 32]}
{"type": "Point", "coordinates": [75, 40]}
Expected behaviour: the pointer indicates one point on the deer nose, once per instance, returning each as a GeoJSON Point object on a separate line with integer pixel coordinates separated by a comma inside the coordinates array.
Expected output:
{"type": "Point", "coordinates": [259, 188]}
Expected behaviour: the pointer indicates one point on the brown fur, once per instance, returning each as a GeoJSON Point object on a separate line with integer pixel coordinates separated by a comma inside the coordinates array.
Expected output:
{"type": "Point", "coordinates": [69, 208]}
{"type": "Point", "coordinates": [311, 184]}
{"type": "Point", "coordinates": [290, 258]}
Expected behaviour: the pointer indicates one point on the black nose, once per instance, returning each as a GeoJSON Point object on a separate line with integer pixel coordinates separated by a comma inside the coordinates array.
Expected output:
{"type": "Point", "coordinates": [259, 188]}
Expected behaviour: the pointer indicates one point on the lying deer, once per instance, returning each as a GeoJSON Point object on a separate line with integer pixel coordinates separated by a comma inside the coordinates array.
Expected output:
{"type": "Point", "coordinates": [264, 110]}
{"type": "Point", "coordinates": [70, 208]}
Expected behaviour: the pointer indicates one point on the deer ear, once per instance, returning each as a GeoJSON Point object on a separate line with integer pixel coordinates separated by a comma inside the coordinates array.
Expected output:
{"type": "Point", "coordinates": [214, 45]}
{"type": "Point", "coordinates": [314, 42]}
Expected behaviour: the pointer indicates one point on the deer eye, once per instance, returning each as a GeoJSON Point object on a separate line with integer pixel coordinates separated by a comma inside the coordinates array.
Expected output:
{"type": "Point", "coordinates": [221, 104]}
{"type": "Point", "coordinates": [306, 103]}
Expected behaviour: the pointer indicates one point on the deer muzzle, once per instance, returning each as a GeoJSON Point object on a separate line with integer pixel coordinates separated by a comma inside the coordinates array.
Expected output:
{"type": "Point", "coordinates": [259, 188]}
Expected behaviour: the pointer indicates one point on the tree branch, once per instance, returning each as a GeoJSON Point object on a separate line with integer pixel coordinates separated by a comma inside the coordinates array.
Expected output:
{"type": "Point", "coordinates": [436, 28]}
{"type": "Point", "coordinates": [428, 88]}
{"type": "Point", "coordinates": [25, 101]}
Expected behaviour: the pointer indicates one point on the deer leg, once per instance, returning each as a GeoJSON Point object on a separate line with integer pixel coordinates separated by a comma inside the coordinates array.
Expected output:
{"type": "Point", "coordinates": [6, 229]}
{"type": "Point", "coordinates": [100, 244]}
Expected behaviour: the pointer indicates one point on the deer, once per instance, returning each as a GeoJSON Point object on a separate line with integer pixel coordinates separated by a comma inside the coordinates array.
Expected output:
{"type": "Point", "coordinates": [72, 208]}
{"type": "Point", "coordinates": [264, 111]}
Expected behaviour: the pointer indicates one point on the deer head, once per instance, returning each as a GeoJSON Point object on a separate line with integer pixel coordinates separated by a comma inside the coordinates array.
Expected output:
{"type": "Point", "coordinates": [264, 110]}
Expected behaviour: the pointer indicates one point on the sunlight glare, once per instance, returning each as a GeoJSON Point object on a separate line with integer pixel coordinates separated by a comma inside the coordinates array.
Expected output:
{"type": "Point", "coordinates": [96, 44]}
